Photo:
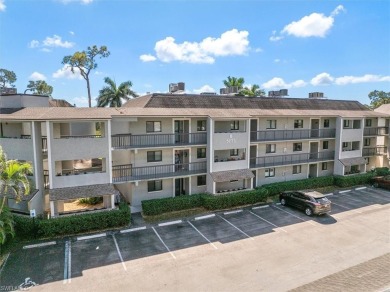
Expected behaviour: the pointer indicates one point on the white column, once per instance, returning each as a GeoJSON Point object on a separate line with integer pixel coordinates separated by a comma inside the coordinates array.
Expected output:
{"type": "Point", "coordinates": [52, 209]}
{"type": "Point", "coordinates": [189, 185]}
{"type": "Point", "coordinates": [109, 158]}
{"type": "Point", "coordinates": [112, 201]}
{"type": "Point", "coordinates": [50, 163]}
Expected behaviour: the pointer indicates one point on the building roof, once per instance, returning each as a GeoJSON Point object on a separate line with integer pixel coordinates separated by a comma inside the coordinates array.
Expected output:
{"type": "Point", "coordinates": [22, 198]}
{"type": "Point", "coordinates": [59, 103]}
{"type": "Point", "coordinates": [353, 161]}
{"type": "Point", "coordinates": [384, 108]}
{"type": "Point", "coordinates": [82, 192]}
{"type": "Point", "coordinates": [229, 175]}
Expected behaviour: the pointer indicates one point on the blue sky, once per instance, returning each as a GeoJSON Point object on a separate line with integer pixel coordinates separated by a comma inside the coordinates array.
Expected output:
{"type": "Point", "coordinates": [341, 48]}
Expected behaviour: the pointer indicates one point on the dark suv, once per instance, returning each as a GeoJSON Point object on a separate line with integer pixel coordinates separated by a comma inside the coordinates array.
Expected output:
{"type": "Point", "coordinates": [311, 202]}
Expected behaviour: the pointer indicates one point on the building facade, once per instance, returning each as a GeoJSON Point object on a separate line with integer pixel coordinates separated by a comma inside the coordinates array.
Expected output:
{"type": "Point", "coordinates": [167, 145]}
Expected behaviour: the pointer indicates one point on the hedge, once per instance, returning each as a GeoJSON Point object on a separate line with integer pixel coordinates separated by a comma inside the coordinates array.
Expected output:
{"type": "Point", "coordinates": [382, 171]}
{"type": "Point", "coordinates": [353, 180]}
{"type": "Point", "coordinates": [310, 183]}
{"type": "Point", "coordinates": [159, 206]}
{"type": "Point", "coordinates": [67, 225]}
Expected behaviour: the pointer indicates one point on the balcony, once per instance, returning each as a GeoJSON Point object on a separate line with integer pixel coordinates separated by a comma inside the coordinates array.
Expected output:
{"type": "Point", "coordinates": [123, 173]}
{"type": "Point", "coordinates": [280, 135]}
{"type": "Point", "coordinates": [267, 161]}
{"type": "Point", "coordinates": [376, 131]}
{"type": "Point", "coordinates": [372, 151]}
{"type": "Point", "coordinates": [126, 141]}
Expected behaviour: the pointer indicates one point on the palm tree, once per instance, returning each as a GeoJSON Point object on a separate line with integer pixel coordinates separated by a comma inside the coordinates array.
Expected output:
{"type": "Point", "coordinates": [252, 91]}
{"type": "Point", "coordinates": [13, 180]}
{"type": "Point", "coordinates": [112, 96]}
{"type": "Point", "coordinates": [234, 81]}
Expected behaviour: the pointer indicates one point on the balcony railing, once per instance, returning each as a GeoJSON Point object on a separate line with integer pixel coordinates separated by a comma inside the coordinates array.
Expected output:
{"type": "Point", "coordinates": [372, 151]}
{"type": "Point", "coordinates": [78, 136]}
{"type": "Point", "coordinates": [376, 131]}
{"type": "Point", "coordinates": [126, 172]}
{"type": "Point", "coordinates": [289, 159]}
{"type": "Point", "coordinates": [278, 135]}
{"type": "Point", "coordinates": [123, 141]}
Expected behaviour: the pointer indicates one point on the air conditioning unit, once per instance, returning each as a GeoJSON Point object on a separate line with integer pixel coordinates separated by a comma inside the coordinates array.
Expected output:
{"type": "Point", "coordinates": [233, 89]}
{"type": "Point", "coordinates": [224, 91]}
{"type": "Point", "coordinates": [8, 90]}
{"type": "Point", "coordinates": [316, 95]}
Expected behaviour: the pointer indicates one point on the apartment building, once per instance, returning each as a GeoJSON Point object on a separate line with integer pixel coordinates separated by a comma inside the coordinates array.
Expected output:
{"type": "Point", "coordinates": [166, 145]}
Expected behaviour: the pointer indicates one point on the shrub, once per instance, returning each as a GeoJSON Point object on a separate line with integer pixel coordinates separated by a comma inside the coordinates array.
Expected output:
{"type": "Point", "coordinates": [159, 206]}
{"type": "Point", "coordinates": [382, 171]}
{"type": "Point", "coordinates": [91, 201]}
{"type": "Point", "coordinates": [26, 227]}
{"type": "Point", "coordinates": [353, 180]}
{"type": "Point", "coordinates": [311, 183]}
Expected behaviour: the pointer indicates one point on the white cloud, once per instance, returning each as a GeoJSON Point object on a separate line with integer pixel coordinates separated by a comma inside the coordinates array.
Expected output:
{"type": "Point", "coordinates": [232, 42]}
{"type": "Point", "coordinates": [80, 1]}
{"type": "Point", "coordinates": [33, 44]}
{"type": "Point", "coordinates": [71, 32]}
{"type": "Point", "coordinates": [204, 88]}
{"type": "Point", "coordinates": [277, 82]}
{"type": "Point", "coordinates": [277, 60]}
{"type": "Point", "coordinates": [46, 50]}
{"type": "Point", "coordinates": [322, 79]}
{"type": "Point", "coordinates": [313, 25]}
{"type": "Point", "coordinates": [2, 5]}
{"type": "Point", "coordinates": [66, 73]}
{"type": "Point", "coordinates": [147, 58]}
{"type": "Point", "coordinates": [344, 80]}
{"type": "Point", "coordinates": [98, 72]}
{"type": "Point", "coordinates": [37, 76]}
{"type": "Point", "coordinates": [258, 50]}
{"type": "Point", "coordinates": [56, 41]}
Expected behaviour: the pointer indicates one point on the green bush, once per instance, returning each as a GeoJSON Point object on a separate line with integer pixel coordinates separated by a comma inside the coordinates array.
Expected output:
{"type": "Point", "coordinates": [91, 201]}
{"type": "Point", "coordinates": [211, 202]}
{"type": "Point", "coordinates": [159, 206]}
{"type": "Point", "coordinates": [304, 184]}
{"type": "Point", "coordinates": [26, 227]}
{"type": "Point", "coordinates": [353, 180]}
{"type": "Point", "coordinates": [382, 171]}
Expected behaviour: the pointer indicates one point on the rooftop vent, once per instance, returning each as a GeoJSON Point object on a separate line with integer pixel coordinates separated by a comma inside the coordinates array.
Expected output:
{"type": "Point", "coordinates": [316, 95]}
{"type": "Point", "coordinates": [278, 93]}
{"type": "Point", "coordinates": [8, 90]}
{"type": "Point", "coordinates": [175, 87]}
{"type": "Point", "coordinates": [232, 90]}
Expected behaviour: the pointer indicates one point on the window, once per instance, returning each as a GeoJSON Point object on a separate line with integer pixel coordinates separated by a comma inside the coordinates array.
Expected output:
{"type": "Point", "coordinates": [297, 147]}
{"type": "Point", "coordinates": [298, 124]}
{"type": "Point", "coordinates": [269, 172]}
{"type": "Point", "coordinates": [368, 123]}
{"type": "Point", "coordinates": [325, 144]}
{"type": "Point", "coordinates": [297, 169]}
{"type": "Point", "coordinates": [356, 124]}
{"type": "Point", "coordinates": [201, 180]}
{"type": "Point", "coordinates": [367, 142]}
{"type": "Point", "coordinates": [270, 148]}
{"type": "Point", "coordinates": [201, 125]}
{"type": "Point", "coordinates": [346, 123]}
{"type": "Point", "coordinates": [326, 123]}
{"type": "Point", "coordinates": [355, 145]}
{"type": "Point", "coordinates": [235, 125]}
{"type": "Point", "coordinates": [271, 124]}
{"type": "Point", "coordinates": [154, 156]}
{"type": "Point", "coordinates": [233, 152]}
{"type": "Point", "coordinates": [154, 185]}
{"type": "Point", "coordinates": [324, 166]}
{"type": "Point", "coordinates": [153, 127]}
{"type": "Point", "coordinates": [345, 144]}
{"type": "Point", "coordinates": [201, 153]}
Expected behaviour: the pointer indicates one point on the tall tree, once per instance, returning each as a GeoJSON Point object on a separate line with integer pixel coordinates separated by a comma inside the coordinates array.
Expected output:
{"type": "Point", "coordinates": [252, 91]}
{"type": "Point", "coordinates": [112, 96]}
{"type": "Point", "coordinates": [85, 62]}
{"type": "Point", "coordinates": [13, 180]}
{"type": "Point", "coordinates": [7, 78]}
{"type": "Point", "coordinates": [39, 87]}
{"type": "Point", "coordinates": [378, 98]}
{"type": "Point", "coordinates": [234, 81]}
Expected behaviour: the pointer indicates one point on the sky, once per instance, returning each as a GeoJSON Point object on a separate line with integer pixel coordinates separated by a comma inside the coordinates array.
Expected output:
{"type": "Point", "coordinates": [341, 48]}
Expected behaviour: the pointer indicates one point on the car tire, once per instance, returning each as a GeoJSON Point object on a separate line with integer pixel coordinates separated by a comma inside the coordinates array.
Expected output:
{"type": "Point", "coordinates": [283, 202]}
{"type": "Point", "coordinates": [308, 211]}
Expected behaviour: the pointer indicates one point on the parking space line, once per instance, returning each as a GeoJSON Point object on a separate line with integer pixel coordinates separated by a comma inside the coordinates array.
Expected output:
{"type": "Point", "coordinates": [232, 212]}
{"type": "Point", "coordinates": [327, 195]}
{"type": "Point", "coordinates": [204, 217]}
{"type": "Point", "coordinates": [39, 244]}
{"type": "Point", "coordinates": [303, 220]}
{"type": "Point", "coordinates": [346, 208]}
{"type": "Point", "coordinates": [91, 236]}
{"type": "Point", "coordinates": [67, 263]}
{"type": "Point", "coordinates": [235, 227]}
{"type": "Point", "coordinates": [133, 229]}
{"type": "Point", "coordinates": [119, 252]}
{"type": "Point", "coordinates": [212, 244]}
{"type": "Point", "coordinates": [267, 221]}
{"type": "Point", "coordinates": [170, 223]}
{"type": "Point", "coordinates": [4, 262]}
{"type": "Point", "coordinates": [361, 188]}
{"type": "Point", "coordinates": [342, 192]}
{"type": "Point", "coordinates": [162, 241]}
{"type": "Point", "coordinates": [260, 207]}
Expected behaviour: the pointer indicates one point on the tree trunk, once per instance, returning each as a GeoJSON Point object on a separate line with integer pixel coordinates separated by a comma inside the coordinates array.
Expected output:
{"type": "Point", "coordinates": [89, 92]}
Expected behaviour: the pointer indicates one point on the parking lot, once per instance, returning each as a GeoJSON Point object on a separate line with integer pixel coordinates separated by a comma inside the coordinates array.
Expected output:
{"type": "Point", "coordinates": [61, 264]}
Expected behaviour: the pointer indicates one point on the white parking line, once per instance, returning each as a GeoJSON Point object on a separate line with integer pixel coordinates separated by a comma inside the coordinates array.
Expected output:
{"type": "Point", "coordinates": [68, 262]}
{"type": "Point", "coordinates": [342, 192]}
{"type": "Point", "coordinates": [162, 241]}
{"type": "Point", "coordinates": [204, 217]}
{"type": "Point", "coordinates": [361, 188]}
{"type": "Point", "coordinates": [212, 244]}
{"type": "Point", "coordinates": [330, 194]}
{"type": "Point", "coordinates": [260, 207]}
{"type": "Point", "coordinates": [236, 227]}
{"type": "Point", "coordinates": [170, 223]}
{"type": "Point", "coordinates": [91, 236]}
{"type": "Point", "coordinates": [119, 252]}
{"type": "Point", "coordinates": [267, 221]}
{"type": "Point", "coordinates": [303, 220]}
{"type": "Point", "coordinates": [4, 262]}
{"type": "Point", "coordinates": [355, 211]}
{"type": "Point", "coordinates": [39, 244]}
{"type": "Point", "coordinates": [232, 212]}
{"type": "Point", "coordinates": [133, 229]}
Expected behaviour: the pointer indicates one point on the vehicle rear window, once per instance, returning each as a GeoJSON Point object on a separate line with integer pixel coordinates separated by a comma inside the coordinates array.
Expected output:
{"type": "Point", "coordinates": [322, 200]}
